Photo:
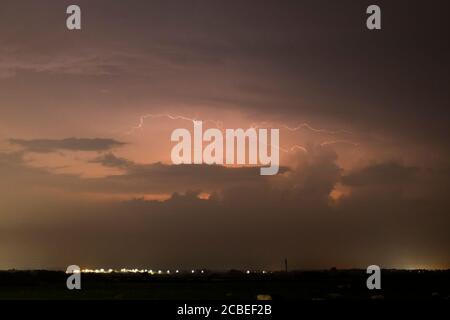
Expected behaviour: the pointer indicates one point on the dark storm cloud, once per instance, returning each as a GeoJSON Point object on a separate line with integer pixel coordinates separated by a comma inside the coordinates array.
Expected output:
{"type": "Point", "coordinates": [164, 178]}
{"type": "Point", "coordinates": [137, 178]}
{"type": "Point", "coordinates": [110, 160]}
{"type": "Point", "coordinates": [249, 227]}
{"type": "Point", "coordinates": [71, 144]}
{"type": "Point", "coordinates": [381, 174]}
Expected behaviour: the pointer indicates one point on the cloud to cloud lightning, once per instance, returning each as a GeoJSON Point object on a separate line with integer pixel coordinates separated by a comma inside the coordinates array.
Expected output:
{"type": "Point", "coordinates": [219, 125]}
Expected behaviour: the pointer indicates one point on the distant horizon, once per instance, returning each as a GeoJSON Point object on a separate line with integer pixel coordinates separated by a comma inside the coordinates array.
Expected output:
{"type": "Point", "coordinates": [172, 270]}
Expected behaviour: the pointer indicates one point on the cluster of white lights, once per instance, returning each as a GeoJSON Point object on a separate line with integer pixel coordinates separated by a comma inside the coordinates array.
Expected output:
{"type": "Point", "coordinates": [125, 270]}
{"type": "Point", "coordinates": [149, 271]}
{"type": "Point", "coordinates": [249, 271]}
{"type": "Point", "coordinates": [193, 271]}
{"type": "Point", "coordinates": [97, 271]}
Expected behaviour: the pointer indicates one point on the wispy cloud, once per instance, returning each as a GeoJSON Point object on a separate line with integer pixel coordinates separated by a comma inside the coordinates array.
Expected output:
{"type": "Point", "coordinates": [99, 62]}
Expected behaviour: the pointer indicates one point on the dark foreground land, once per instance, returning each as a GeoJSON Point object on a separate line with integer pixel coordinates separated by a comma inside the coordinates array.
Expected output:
{"type": "Point", "coordinates": [233, 285]}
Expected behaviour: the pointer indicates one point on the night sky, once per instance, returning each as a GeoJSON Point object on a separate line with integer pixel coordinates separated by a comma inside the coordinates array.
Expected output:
{"type": "Point", "coordinates": [86, 116]}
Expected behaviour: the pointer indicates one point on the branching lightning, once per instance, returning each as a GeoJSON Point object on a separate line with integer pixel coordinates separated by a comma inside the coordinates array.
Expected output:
{"type": "Point", "coordinates": [300, 126]}
{"type": "Point", "coordinates": [218, 124]}
{"type": "Point", "coordinates": [265, 124]}
{"type": "Point", "coordinates": [325, 143]}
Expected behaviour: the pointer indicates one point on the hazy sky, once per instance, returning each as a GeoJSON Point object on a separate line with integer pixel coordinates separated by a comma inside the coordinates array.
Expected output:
{"type": "Point", "coordinates": [85, 124]}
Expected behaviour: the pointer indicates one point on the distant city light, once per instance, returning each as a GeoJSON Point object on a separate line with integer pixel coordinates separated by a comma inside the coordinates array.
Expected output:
{"type": "Point", "coordinates": [149, 271]}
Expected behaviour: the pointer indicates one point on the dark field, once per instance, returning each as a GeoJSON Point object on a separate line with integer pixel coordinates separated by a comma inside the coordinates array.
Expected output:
{"type": "Point", "coordinates": [307, 285]}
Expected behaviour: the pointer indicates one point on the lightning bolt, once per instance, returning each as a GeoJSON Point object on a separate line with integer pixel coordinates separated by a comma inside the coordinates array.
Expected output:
{"type": "Point", "coordinates": [301, 126]}
{"type": "Point", "coordinates": [325, 143]}
{"type": "Point", "coordinates": [219, 124]}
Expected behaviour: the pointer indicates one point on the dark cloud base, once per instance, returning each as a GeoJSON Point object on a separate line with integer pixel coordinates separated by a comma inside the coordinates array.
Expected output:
{"type": "Point", "coordinates": [385, 221]}
{"type": "Point", "coordinates": [70, 144]}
